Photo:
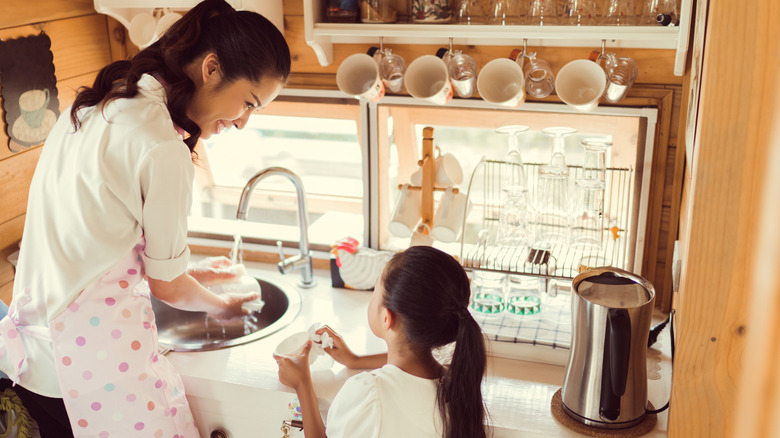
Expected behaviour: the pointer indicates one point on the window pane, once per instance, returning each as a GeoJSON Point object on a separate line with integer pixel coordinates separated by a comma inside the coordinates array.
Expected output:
{"type": "Point", "coordinates": [324, 152]}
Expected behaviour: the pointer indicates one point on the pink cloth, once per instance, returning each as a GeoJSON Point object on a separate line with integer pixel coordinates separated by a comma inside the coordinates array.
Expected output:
{"type": "Point", "coordinates": [113, 381]}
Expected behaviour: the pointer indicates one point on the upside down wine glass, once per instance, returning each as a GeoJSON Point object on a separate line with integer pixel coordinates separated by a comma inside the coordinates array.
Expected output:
{"type": "Point", "coordinates": [552, 196]}
{"type": "Point", "coordinates": [515, 216]}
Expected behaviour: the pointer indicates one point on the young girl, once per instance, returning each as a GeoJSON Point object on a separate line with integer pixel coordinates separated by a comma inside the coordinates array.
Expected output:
{"type": "Point", "coordinates": [419, 303]}
{"type": "Point", "coordinates": [108, 207]}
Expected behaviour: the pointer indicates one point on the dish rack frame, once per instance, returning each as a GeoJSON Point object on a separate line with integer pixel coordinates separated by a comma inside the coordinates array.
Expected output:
{"type": "Point", "coordinates": [560, 261]}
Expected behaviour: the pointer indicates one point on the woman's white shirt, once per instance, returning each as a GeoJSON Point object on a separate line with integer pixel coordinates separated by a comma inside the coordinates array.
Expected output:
{"type": "Point", "coordinates": [387, 403]}
{"type": "Point", "coordinates": [125, 174]}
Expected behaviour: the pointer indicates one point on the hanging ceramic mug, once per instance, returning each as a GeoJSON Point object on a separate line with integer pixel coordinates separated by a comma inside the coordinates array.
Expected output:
{"type": "Point", "coordinates": [427, 78]}
{"type": "Point", "coordinates": [501, 82]}
{"type": "Point", "coordinates": [359, 76]}
{"type": "Point", "coordinates": [580, 84]}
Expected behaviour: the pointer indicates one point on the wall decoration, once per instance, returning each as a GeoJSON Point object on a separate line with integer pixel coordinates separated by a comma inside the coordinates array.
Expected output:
{"type": "Point", "coordinates": [29, 90]}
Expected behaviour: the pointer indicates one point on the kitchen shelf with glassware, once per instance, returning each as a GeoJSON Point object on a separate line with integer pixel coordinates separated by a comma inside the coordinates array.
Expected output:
{"type": "Point", "coordinates": [321, 35]}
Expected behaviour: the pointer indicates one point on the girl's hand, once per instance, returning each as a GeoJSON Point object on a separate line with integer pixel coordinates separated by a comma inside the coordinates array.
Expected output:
{"type": "Point", "coordinates": [340, 352]}
{"type": "Point", "coordinates": [212, 269]}
{"type": "Point", "coordinates": [231, 306]}
{"type": "Point", "coordinates": [294, 371]}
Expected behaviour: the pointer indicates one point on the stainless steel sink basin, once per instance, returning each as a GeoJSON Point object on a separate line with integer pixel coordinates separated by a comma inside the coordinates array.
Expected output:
{"type": "Point", "coordinates": [180, 330]}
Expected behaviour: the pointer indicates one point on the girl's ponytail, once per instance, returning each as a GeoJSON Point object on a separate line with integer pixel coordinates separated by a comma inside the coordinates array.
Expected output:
{"type": "Point", "coordinates": [461, 388]}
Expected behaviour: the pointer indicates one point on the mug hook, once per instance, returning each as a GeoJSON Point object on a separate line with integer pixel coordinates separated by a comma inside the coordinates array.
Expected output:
{"type": "Point", "coordinates": [381, 44]}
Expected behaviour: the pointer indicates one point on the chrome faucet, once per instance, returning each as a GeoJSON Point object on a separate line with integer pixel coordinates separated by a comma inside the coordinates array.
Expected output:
{"type": "Point", "coordinates": [301, 261]}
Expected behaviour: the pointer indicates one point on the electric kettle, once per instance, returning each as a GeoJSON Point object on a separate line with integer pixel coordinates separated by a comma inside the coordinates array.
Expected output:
{"type": "Point", "coordinates": [606, 376]}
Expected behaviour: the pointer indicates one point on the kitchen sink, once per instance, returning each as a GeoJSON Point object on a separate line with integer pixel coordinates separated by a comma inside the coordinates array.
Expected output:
{"type": "Point", "coordinates": [180, 330]}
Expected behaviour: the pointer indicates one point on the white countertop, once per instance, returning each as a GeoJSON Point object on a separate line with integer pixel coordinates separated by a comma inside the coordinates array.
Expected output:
{"type": "Point", "coordinates": [517, 393]}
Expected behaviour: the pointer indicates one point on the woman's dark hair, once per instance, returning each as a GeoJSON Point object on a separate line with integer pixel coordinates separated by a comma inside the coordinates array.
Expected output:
{"type": "Point", "coordinates": [247, 45]}
{"type": "Point", "coordinates": [429, 291]}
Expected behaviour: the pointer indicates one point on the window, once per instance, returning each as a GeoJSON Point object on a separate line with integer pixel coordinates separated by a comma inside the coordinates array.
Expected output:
{"type": "Point", "coordinates": [317, 140]}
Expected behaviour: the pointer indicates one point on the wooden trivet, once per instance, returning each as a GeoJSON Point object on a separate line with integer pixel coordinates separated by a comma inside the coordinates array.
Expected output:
{"type": "Point", "coordinates": [642, 428]}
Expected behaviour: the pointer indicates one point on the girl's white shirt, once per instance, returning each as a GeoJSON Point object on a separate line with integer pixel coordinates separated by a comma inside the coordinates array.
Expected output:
{"type": "Point", "coordinates": [125, 174]}
{"type": "Point", "coordinates": [386, 402]}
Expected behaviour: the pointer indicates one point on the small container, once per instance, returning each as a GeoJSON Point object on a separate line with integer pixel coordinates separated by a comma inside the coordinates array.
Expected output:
{"type": "Point", "coordinates": [431, 11]}
{"type": "Point", "coordinates": [377, 11]}
{"type": "Point", "coordinates": [341, 11]}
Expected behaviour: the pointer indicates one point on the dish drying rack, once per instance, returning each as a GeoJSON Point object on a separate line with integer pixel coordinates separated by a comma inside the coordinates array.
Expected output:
{"type": "Point", "coordinates": [562, 261]}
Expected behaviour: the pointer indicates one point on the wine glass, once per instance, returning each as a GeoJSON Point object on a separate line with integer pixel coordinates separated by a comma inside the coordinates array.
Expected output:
{"type": "Point", "coordinates": [515, 216]}
{"type": "Point", "coordinates": [552, 196]}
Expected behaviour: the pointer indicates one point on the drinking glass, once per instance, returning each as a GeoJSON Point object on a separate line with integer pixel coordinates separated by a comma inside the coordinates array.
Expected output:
{"type": "Point", "coordinates": [487, 293]}
{"type": "Point", "coordinates": [539, 79]}
{"type": "Point", "coordinates": [541, 13]}
{"type": "Point", "coordinates": [580, 12]}
{"type": "Point", "coordinates": [523, 295]}
{"type": "Point", "coordinates": [621, 74]}
{"type": "Point", "coordinates": [619, 13]}
{"type": "Point", "coordinates": [392, 68]}
{"type": "Point", "coordinates": [515, 215]}
{"type": "Point", "coordinates": [587, 224]}
{"type": "Point", "coordinates": [501, 13]}
{"type": "Point", "coordinates": [463, 72]}
{"type": "Point", "coordinates": [552, 196]}
{"type": "Point", "coordinates": [470, 12]}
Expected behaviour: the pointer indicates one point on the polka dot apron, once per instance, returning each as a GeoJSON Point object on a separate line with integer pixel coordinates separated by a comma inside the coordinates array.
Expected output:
{"type": "Point", "coordinates": [113, 381]}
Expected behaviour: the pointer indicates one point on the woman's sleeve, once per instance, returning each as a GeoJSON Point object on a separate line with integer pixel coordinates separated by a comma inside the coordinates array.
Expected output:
{"type": "Point", "coordinates": [166, 176]}
{"type": "Point", "coordinates": [356, 410]}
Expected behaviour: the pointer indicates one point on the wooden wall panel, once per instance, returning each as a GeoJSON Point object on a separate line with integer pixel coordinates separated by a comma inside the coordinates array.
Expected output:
{"type": "Point", "coordinates": [17, 13]}
{"type": "Point", "coordinates": [81, 47]}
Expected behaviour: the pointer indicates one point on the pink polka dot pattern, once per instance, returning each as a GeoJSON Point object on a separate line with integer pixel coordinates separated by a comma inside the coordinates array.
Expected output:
{"type": "Point", "coordinates": [12, 334]}
{"type": "Point", "coordinates": [107, 337]}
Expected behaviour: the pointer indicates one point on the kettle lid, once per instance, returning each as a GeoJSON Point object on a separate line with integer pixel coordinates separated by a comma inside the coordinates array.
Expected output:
{"type": "Point", "coordinates": [613, 288]}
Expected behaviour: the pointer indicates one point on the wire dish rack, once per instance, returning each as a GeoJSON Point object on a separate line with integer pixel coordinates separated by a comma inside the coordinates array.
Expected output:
{"type": "Point", "coordinates": [562, 260]}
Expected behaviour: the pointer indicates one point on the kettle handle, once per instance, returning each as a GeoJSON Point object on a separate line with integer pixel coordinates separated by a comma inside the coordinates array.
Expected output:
{"type": "Point", "coordinates": [615, 363]}
{"type": "Point", "coordinates": [671, 336]}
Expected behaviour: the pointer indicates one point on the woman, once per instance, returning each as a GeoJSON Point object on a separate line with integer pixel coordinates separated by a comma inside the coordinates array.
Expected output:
{"type": "Point", "coordinates": [108, 207]}
{"type": "Point", "coordinates": [419, 303]}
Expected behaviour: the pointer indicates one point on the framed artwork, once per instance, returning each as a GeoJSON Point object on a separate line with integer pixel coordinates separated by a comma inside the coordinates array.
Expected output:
{"type": "Point", "coordinates": [29, 90]}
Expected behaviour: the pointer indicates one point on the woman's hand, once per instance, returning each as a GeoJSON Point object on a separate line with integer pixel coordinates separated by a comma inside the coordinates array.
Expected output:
{"type": "Point", "coordinates": [212, 269]}
{"type": "Point", "coordinates": [231, 306]}
{"type": "Point", "coordinates": [340, 352]}
{"type": "Point", "coordinates": [294, 371]}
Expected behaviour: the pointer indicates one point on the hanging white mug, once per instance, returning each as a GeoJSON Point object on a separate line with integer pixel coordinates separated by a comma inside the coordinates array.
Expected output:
{"type": "Point", "coordinates": [427, 78]}
{"type": "Point", "coordinates": [406, 213]}
{"type": "Point", "coordinates": [501, 81]}
{"type": "Point", "coordinates": [449, 216]}
{"type": "Point", "coordinates": [580, 84]}
{"type": "Point", "coordinates": [359, 76]}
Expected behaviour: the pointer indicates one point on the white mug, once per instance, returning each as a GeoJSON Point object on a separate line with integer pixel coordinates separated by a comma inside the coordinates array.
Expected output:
{"type": "Point", "coordinates": [358, 76]}
{"type": "Point", "coordinates": [449, 216]}
{"type": "Point", "coordinates": [427, 78]}
{"type": "Point", "coordinates": [166, 21]}
{"type": "Point", "coordinates": [448, 172]}
{"type": "Point", "coordinates": [143, 29]}
{"type": "Point", "coordinates": [580, 84]}
{"type": "Point", "coordinates": [406, 213]}
{"type": "Point", "coordinates": [501, 81]}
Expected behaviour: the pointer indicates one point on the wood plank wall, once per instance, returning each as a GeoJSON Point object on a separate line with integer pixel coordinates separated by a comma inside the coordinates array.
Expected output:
{"type": "Point", "coordinates": [84, 41]}
{"type": "Point", "coordinates": [81, 46]}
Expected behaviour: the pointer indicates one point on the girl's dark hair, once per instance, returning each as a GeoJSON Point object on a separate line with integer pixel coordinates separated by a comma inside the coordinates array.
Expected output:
{"type": "Point", "coordinates": [429, 291]}
{"type": "Point", "coordinates": [247, 45]}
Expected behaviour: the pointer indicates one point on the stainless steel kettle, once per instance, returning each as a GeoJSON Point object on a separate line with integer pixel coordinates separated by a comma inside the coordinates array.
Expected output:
{"type": "Point", "coordinates": [606, 375]}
